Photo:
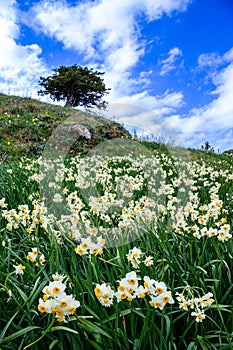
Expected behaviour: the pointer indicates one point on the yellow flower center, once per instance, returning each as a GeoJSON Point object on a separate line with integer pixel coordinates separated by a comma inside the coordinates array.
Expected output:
{"type": "Point", "coordinates": [158, 304]}
{"type": "Point", "coordinates": [72, 310]}
{"type": "Point", "coordinates": [159, 290]}
{"type": "Point", "coordinates": [47, 291]}
{"type": "Point", "coordinates": [79, 251]}
{"type": "Point", "coordinates": [56, 290]}
{"type": "Point", "coordinates": [97, 292]}
{"type": "Point", "coordinates": [131, 281]}
{"type": "Point", "coordinates": [63, 303]}
{"type": "Point", "coordinates": [42, 308]}
{"type": "Point", "coordinates": [121, 288]}
{"type": "Point", "coordinates": [60, 313]}
{"type": "Point", "coordinates": [166, 299]}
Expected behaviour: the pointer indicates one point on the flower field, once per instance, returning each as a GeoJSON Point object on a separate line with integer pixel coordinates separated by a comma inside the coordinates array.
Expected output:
{"type": "Point", "coordinates": [128, 251]}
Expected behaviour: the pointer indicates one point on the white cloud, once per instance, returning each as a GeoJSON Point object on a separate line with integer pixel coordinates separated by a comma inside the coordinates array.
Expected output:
{"type": "Point", "coordinates": [106, 33]}
{"type": "Point", "coordinates": [156, 9]}
{"type": "Point", "coordinates": [214, 60]}
{"type": "Point", "coordinates": [214, 121]}
{"type": "Point", "coordinates": [209, 60]}
{"type": "Point", "coordinates": [20, 66]}
{"type": "Point", "coordinates": [171, 62]}
{"type": "Point", "coordinates": [164, 104]}
{"type": "Point", "coordinates": [220, 111]}
{"type": "Point", "coordinates": [104, 25]}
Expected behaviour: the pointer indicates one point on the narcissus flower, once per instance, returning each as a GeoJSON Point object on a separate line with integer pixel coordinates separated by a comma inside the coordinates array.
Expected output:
{"type": "Point", "coordinates": [104, 294]}
{"type": "Point", "coordinates": [19, 269]}
{"type": "Point", "coordinates": [149, 261]}
{"type": "Point", "coordinates": [129, 289]}
{"type": "Point", "coordinates": [56, 301]}
{"type": "Point", "coordinates": [200, 315]}
{"type": "Point", "coordinates": [187, 300]}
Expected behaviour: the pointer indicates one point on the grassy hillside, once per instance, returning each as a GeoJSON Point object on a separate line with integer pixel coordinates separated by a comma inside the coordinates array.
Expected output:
{"type": "Point", "coordinates": [26, 124]}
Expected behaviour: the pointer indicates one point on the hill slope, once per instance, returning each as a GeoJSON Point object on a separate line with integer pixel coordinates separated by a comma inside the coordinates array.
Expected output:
{"type": "Point", "coordinates": [26, 124]}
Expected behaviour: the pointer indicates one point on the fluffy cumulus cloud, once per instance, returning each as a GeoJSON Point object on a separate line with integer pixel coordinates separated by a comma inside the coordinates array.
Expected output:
{"type": "Point", "coordinates": [107, 34]}
{"type": "Point", "coordinates": [173, 61]}
{"type": "Point", "coordinates": [212, 122]}
{"type": "Point", "coordinates": [102, 26]}
{"type": "Point", "coordinates": [19, 65]}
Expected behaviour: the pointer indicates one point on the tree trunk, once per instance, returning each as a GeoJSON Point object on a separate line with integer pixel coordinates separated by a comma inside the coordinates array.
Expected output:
{"type": "Point", "coordinates": [69, 101]}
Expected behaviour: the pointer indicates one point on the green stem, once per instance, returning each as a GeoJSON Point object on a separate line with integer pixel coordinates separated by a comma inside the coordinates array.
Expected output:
{"type": "Point", "coordinates": [42, 336]}
{"type": "Point", "coordinates": [222, 320]}
{"type": "Point", "coordinates": [203, 252]}
{"type": "Point", "coordinates": [162, 326]}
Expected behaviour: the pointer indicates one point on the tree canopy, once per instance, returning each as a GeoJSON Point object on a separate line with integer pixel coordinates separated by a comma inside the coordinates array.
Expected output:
{"type": "Point", "coordinates": [78, 86]}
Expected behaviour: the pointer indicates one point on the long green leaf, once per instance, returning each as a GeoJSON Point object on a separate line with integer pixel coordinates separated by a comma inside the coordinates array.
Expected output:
{"type": "Point", "coordinates": [18, 334]}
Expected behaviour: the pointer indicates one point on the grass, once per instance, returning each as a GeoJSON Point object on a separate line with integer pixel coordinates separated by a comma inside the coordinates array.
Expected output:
{"type": "Point", "coordinates": [180, 260]}
{"type": "Point", "coordinates": [27, 124]}
{"type": "Point", "coordinates": [171, 206]}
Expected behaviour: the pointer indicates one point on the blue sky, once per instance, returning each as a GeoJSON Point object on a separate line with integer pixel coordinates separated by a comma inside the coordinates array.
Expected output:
{"type": "Point", "coordinates": [173, 57]}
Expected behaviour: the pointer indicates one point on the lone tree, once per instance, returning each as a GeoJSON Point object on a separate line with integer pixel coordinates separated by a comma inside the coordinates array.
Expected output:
{"type": "Point", "coordinates": [76, 85]}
